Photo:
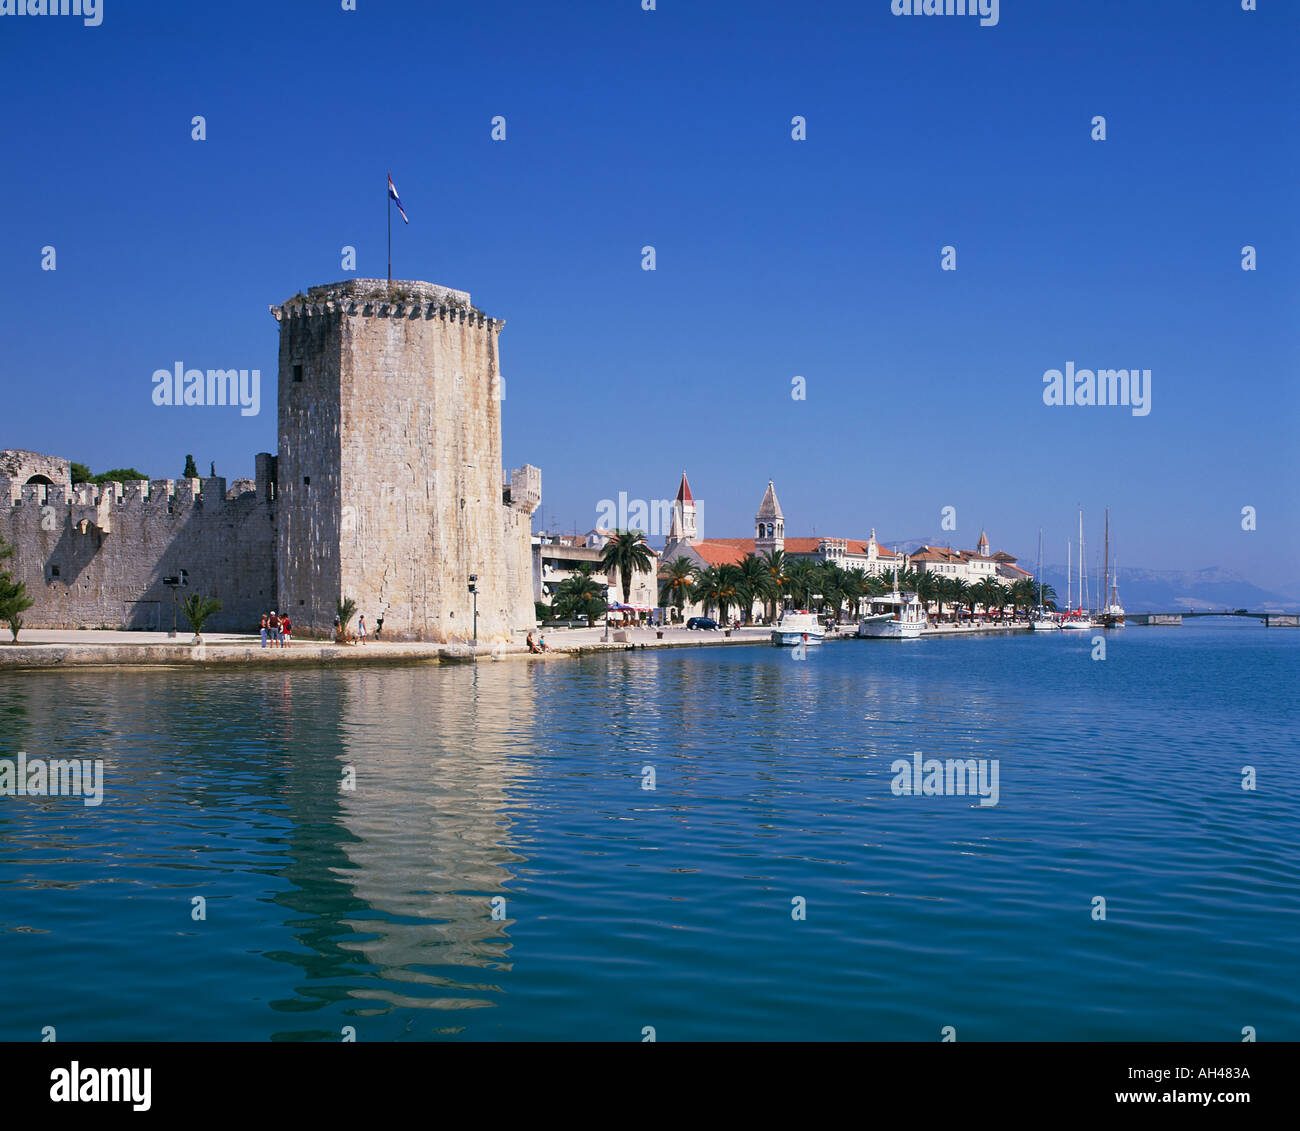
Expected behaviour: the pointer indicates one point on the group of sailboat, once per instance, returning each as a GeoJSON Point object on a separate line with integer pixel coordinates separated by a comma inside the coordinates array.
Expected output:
{"type": "Point", "coordinates": [1080, 618]}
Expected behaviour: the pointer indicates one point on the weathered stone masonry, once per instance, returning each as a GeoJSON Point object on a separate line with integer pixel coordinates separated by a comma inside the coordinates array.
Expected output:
{"type": "Point", "coordinates": [387, 488]}
{"type": "Point", "coordinates": [93, 556]}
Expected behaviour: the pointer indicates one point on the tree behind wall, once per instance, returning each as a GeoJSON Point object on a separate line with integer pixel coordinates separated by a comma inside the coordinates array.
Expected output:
{"type": "Point", "coordinates": [191, 469]}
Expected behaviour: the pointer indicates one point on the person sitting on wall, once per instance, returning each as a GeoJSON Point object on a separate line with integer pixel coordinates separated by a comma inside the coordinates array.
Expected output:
{"type": "Point", "coordinates": [532, 645]}
{"type": "Point", "coordinates": [542, 646]}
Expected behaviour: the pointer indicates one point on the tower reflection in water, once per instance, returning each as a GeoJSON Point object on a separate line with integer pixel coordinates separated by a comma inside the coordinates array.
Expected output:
{"type": "Point", "coordinates": [399, 877]}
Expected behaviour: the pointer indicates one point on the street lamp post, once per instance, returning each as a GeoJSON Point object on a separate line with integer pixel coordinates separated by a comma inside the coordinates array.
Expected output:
{"type": "Point", "coordinates": [173, 583]}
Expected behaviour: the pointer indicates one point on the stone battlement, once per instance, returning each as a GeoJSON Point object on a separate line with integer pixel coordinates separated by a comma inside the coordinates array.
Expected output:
{"type": "Point", "coordinates": [176, 494]}
{"type": "Point", "coordinates": [373, 298]}
{"type": "Point", "coordinates": [523, 488]}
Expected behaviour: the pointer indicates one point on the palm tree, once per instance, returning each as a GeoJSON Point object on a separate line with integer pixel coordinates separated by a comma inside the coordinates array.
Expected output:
{"type": "Point", "coordinates": [774, 561]}
{"type": "Point", "coordinates": [676, 588]}
{"type": "Point", "coordinates": [956, 592]}
{"type": "Point", "coordinates": [830, 584]}
{"type": "Point", "coordinates": [927, 588]}
{"type": "Point", "coordinates": [855, 588]}
{"type": "Point", "coordinates": [989, 594]}
{"type": "Point", "coordinates": [879, 584]}
{"type": "Point", "coordinates": [961, 596]}
{"type": "Point", "coordinates": [1049, 596]}
{"type": "Point", "coordinates": [755, 585]}
{"type": "Point", "coordinates": [801, 581]}
{"type": "Point", "coordinates": [626, 551]}
{"type": "Point", "coordinates": [707, 588]}
{"type": "Point", "coordinates": [196, 609]}
{"type": "Point", "coordinates": [730, 580]}
{"type": "Point", "coordinates": [345, 609]}
{"type": "Point", "coordinates": [1023, 592]}
{"type": "Point", "coordinates": [582, 592]}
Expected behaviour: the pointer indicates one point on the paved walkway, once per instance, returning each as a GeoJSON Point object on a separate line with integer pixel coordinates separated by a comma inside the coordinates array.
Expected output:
{"type": "Point", "coordinates": [56, 648]}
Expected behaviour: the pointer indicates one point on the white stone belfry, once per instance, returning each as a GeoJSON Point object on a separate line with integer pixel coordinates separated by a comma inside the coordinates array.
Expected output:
{"type": "Point", "coordinates": [769, 523]}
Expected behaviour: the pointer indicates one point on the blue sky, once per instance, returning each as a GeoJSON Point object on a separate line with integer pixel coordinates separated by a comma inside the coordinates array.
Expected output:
{"type": "Point", "coordinates": [775, 258]}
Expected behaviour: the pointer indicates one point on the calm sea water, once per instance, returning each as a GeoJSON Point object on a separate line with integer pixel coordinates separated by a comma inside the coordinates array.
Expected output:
{"type": "Point", "coordinates": [671, 908]}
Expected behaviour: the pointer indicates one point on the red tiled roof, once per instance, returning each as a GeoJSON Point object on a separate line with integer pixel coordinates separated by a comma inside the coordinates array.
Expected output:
{"type": "Point", "coordinates": [804, 545]}
{"type": "Point", "coordinates": [724, 551]}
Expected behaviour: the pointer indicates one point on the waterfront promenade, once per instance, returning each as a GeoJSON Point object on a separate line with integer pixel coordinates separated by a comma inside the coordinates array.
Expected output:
{"type": "Point", "coordinates": [62, 648]}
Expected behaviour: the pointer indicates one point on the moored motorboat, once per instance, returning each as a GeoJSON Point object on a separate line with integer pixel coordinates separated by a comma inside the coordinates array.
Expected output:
{"type": "Point", "coordinates": [900, 616]}
{"type": "Point", "coordinates": [798, 627]}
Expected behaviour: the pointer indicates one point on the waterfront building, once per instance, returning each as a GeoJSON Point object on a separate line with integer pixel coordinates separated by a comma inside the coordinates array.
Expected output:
{"type": "Point", "coordinates": [557, 557]}
{"type": "Point", "coordinates": [971, 566]}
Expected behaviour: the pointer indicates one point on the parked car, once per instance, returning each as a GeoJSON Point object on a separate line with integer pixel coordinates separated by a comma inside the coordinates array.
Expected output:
{"type": "Point", "coordinates": [706, 623]}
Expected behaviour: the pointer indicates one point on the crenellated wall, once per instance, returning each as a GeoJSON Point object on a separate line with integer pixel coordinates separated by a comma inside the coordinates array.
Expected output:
{"type": "Point", "coordinates": [96, 555]}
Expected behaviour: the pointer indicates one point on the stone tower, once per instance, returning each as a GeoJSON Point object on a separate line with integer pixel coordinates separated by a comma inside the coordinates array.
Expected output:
{"type": "Point", "coordinates": [390, 487]}
{"type": "Point", "coordinates": [769, 523]}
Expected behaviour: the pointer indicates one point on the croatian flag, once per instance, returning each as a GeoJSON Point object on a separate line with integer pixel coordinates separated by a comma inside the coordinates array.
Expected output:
{"type": "Point", "coordinates": [392, 195]}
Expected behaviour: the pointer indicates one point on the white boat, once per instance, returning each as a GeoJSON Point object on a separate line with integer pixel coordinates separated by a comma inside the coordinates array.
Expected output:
{"type": "Point", "coordinates": [1112, 615]}
{"type": "Point", "coordinates": [1041, 618]}
{"type": "Point", "coordinates": [798, 627]}
{"type": "Point", "coordinates": [1077, 620]}
{"type": "Point", "coordinates": [900, 616]}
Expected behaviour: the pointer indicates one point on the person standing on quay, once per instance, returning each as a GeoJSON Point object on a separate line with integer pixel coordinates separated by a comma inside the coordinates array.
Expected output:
{"type": "Point", "coordinates": [263, 630]}
{"type": "Point", "coordinates": [361, 629]}
{"type": "Point", "coordinates": [287, 628]}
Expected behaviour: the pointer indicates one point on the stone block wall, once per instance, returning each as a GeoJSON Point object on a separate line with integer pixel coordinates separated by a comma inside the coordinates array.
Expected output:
{"type": "Point", "coordinates": [95, 556]}
{"type": "Point", "coordinates": [390, 483]}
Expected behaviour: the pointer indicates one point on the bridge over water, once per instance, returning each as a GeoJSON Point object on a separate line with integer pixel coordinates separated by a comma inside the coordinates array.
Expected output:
{"type": "Point", "coordinates": [1271, 620]}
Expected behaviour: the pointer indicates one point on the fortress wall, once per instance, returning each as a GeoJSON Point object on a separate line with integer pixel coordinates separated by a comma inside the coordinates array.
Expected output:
{"type": "Point", "coordinates": [112, 545]}
{"type": "Point", "coordinates": [525, 497]}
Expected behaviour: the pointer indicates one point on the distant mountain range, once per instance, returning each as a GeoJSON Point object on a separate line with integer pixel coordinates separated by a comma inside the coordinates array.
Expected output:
{"type": "Point", "coordinates": [1160, 590]}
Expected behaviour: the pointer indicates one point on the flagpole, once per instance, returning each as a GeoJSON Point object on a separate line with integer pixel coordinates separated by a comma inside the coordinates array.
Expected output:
{"type": "Point", "coordinates": [388, 197]}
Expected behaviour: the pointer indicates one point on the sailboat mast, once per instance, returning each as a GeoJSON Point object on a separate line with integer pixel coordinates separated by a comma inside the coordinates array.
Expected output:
{"type": "Point", "coordinates": [1105, 567]}
{"type": "Point", "coordinates": [1083, 567]}
{"type": "Point", "coordinates": [1040, 567]}
{"type": "Point", "coordinates": [1069, 576]}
